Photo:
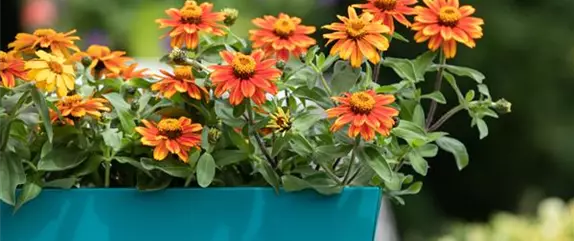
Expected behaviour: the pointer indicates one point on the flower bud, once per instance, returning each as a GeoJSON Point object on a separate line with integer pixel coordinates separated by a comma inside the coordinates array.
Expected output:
{"type": "Point", "coordinates": [178, 56]}
{"type": "Point", "coordinates": [231, 15]}
{"type": "Point", "coordinates": [86, 61]}
{"type": "Point", "coordinates": [213, 135]}
{"type": "Point", "coordinates": [280, 65]}
{"type": "Point", "coordinates": [502, 106]}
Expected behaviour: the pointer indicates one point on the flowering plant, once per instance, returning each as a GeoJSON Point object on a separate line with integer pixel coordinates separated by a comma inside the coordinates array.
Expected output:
{"type": "Point", "coordinates": [273, 111]}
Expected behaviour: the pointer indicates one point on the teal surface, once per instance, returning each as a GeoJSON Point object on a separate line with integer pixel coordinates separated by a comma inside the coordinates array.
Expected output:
{"type": "Point", "coordinates": [213, 214]}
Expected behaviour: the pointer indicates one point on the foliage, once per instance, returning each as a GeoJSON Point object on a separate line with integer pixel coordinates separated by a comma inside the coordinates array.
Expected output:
{"type": "Point", "coordinates": [554, 221]}
{"type": "Point", "coordinates": [100, 134]}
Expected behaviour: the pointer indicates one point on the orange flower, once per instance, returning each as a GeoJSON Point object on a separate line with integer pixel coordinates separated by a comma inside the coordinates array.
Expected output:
{"type": "Point", "coordinates": [358, 36]}
{"type": "Point", "coordinates": [104, 61]}
{"type": "Point", "coordinates": [281, 35]}
{"type": "Point", "coordinates": [187, 22]}
{"type": "Point", "coordinates": [129, 72]}
{"type": "Point", "coordinates": [387, 10]}
{"type": "Point", "coordinates": [46, 39]}
{"type": "Point", "coordinates": [366, 112]}
{"type": "Point", "coordinates": [75, 107]}
{"type": "Point", "coordinates": [171, 136]}
{"type": "Point", "coordinates": [11, 67]}
{"type": "Point", "coordinates": [181, 81]}
{"type": "Point", "coordinates": [245, 76]}
{"type": "Point", "coordinates": [444, 23]}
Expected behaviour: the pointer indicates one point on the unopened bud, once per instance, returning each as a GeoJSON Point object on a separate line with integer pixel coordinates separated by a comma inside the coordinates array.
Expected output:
{"type": "Point", "coordinates": [86, 61]}
{"type": "Point", "coordinates": [502, 106]}
{"type": "Point", "coordinates": [231, 15]}
{"type": "Point", "coordinates": [280, 64]}
{"type": "Point", "coordinates": [178, 56]}
{"type": "Point", "coordinates": [213, 135]}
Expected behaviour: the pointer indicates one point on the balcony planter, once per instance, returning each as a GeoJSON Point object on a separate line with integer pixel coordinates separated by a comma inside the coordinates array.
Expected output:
{"type": "Point", "coordinates": [214, 214]}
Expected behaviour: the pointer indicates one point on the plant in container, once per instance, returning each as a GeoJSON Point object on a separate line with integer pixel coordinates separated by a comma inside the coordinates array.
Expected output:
{"type": "Point", "coordinates": [293, 143]}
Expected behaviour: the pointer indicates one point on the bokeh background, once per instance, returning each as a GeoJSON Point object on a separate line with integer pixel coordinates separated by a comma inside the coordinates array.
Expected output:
{"type": "Point", "coordinates": [527, 54]}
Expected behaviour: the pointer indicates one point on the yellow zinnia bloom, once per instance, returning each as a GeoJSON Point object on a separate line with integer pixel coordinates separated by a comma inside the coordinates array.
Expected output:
{"type": "Point", "coordinates": [51, 72]}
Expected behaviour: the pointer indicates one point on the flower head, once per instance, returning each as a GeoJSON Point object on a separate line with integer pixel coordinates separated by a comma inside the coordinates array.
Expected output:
{"type": "Point", "coordinates": [176, 136]}
{"type": "Point", "coordinates": [187, 22]}
{"type": "Point", "coordinates": [231, 15]}
{"type": "Point", "coordinates": [129, 72]}
{"type": "Point", "coordinates": [245, 76]}
{"type": "Point", "coordinates": [46, 39]}
{"type": "Point", "coordinates": [282, 35]}
{"type": "Point", "coordinates": [444, 22]}
{"type": "Point", "coordinates": [390, 10]}
{"type": "Point", "coordinates": [366, 112]}
{"type": "Point", "coordinates": [11, 67]}
{"type": "Point", "coordinates": [358, 36]}
{"type": "Point", "coordinates": [104, 61]}
{"type": "Point", "coordinates": [280, 121]}
{"type": "Point", "coordinates": [182, 81]}
{"type": "Point", "coordinates": [75, 107]}
{"type": "Point", "coordinates": [51, 72]}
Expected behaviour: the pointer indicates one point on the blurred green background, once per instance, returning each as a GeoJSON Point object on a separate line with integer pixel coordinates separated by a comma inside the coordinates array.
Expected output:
{"type": "Point", "coordinates": [527, 54]}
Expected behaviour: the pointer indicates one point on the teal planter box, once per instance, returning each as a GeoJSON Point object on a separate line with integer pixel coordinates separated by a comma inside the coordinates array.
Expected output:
{"type": "Point", "coordinates": [213, 214]}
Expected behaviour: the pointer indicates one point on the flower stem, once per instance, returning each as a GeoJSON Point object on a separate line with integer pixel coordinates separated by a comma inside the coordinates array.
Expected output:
{"type": "Point", "coordinates": [108, 166]}
{"type": "Point", "coordinates": [258, 139]}
{"type": "Point", "coordinates": [346, 179]}
{"type": "Point", "coordinates": [437, 86]}
{"type": "Point", "coordinates": [326, 85]}
{"type": "Point", "coordinates": [445, 117]}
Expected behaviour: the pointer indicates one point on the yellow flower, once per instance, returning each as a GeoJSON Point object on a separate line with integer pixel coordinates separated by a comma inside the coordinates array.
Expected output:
{"type": "Point", "coordinates": [51, 72]}
{"type": "Point", "coordinates": [280, 121]}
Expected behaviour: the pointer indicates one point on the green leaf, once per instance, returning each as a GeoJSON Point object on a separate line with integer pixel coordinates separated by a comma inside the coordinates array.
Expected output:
{"type": "Point", "coordinates": [305, 121]}
{"type": "Point", "coordinates": [464, 71]}
{"type": "Point", "coordinates": [238, 140]}
{"type": "Point", "coordinates": [403, 67]}
{"type": "Point", "coordinates": [428, 150]}
{"type": "Point", "coordinates": [418, 163]}
{"type": "Point", "coordinates": [170, 166]}
{"type": "Point", "coordinates": [11, 175]}
{"type": "Point", "coordinates": [469, 96]}
{"type": "Point", "coordinates": [410, 132]}
{"type": "Point", "coordinates": [146, 182]}
{"type": "Point", "coordinates": [315, 94]}
{"type": "Point", "coordinates": [229, 157]}
{"type": "Point", "coordinates": [89, 166]}
{"type": "Point", "coordinates": [400, 37]}
{"type": "Point", "coordinates": [268, 173]}
{"type": "Point", "coordinates": [483, 89]}
{"type": "Point", "coordinates": [452, 81]}
{"type": "Point", "coordinates": [30, 191]}
{"type": "Point", "coordinates": [64, 183]}
{"type": "Point", "coordinates": [161, 104]}
{"type": "Point", "coordinates": [482, 128]}
{"type": "Point", "coordinates": [294, 184]}
{"type": "Point", "coordinates": [205, 138]}
{"type": "Point", "coordinates": [376, 161]}
{"type": "Point", "coordinates": [436, 96]}
{"type": "Point", "coordinates": [225, 112]}
{"type": "Point", "coordinates": [344, 77]}
{"type": "Point", "coordinates": [280, 143]}
{"type": "Point", "coordinates": [422, 64]}
{"type": "Point", "coordinates": [311, 54]}
{"type": "Point", "coordinates": [62, 158]}
{"type": "Point", "coordinates": [419, 115]}
{"type": "Point", "coordinates": [301, 145]}
{"type": "Point", "coordinates": [455, 147]}
{"type": "Point", "coordinates": [143, 102]}
{"type": "Point", "coordinates": [132, 162]}
{"type": "Point", "coordinates": [328, 62]}
{"type": "Point", "coordinates": [139, 82]}
{"type": "Point", "coordinates": [122, 108]}
{"type": "Point", "coordinates": [324, 184]}
{"type": "Point", "coordinates": [205, 170]}
{"type": "Point", "coordinates": [331, 152]}
{"type": "Point", "coordinates": [86, 90]}
{"type": "Point", "coordinates": [114, 84]}
{"type": "Point", "coordinates": [42, 106]}
{"type": "Point", "coordinates": [412, 189]}
{"type": "Point", "coordinates": [113, 138]}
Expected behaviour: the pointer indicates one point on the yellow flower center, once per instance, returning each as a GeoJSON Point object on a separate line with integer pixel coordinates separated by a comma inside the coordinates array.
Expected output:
{"type": "Point", "coordinates": [362, 103]}
{"type": "Point", "coordinates": [183, 72]}
{"type": "Point", "coordinates": [71, 100]}
{"type": "Point", "coordinates": [243, 66]}
{"type": "Point", "coordinates": [284, 27]}
{"type": "Point", "coordinates": [356, 28]}
{"type": "Point", "coordinates": [449, 16]}
{"type": "Point", "coordinates": [385, 5]}
{"type": "Point", "coordinates": [169, 127]}
{"type": "Point", "coordinates": [191, 13]}
{"type": "Point", "coordinates": [55, 67]}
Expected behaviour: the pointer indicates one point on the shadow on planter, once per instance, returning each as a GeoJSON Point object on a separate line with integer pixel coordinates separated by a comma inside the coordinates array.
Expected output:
{"type": "Point", "coordinates": [214, 214]}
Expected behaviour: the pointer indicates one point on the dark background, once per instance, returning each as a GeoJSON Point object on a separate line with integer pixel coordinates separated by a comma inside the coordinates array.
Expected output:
{"type": "Point", "coordinates": [527, 54]}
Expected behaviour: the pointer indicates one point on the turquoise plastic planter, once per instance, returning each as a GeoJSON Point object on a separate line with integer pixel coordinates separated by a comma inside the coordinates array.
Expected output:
{"type": "Point", "coordinates": [213, 214]}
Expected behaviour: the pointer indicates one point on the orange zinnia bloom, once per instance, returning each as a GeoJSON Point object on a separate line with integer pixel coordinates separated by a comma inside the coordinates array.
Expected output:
{"type": "Point", "coordinates": [46, 39]}
{"type": "Point", "coordinates": [245, 76]}
{"type": "Point", "coordinates": [182, 81]}
{"type": "Point", "coordinates": [187, 22]}
{"type": "Point", "coordinates": [444, 23]}
{"type": "Point", "coordinates": [366, 112]}
{"type": "Point", "coordinates": [75, 107]}
{"type": "Point", "coordinates": [282, 35]}
{"type": "Point", "coordinates": [387, 10]}
{"type": "Point", "coordinates": [358, 36]}
{"type": "Point", "coordinates": [171, 136]}
{"type": "Point", "coordinates": [129, 72]}
{"type": "Point", "coordinates": [104, 61]}
{"type": "Point", "coordinates": [11, 67]}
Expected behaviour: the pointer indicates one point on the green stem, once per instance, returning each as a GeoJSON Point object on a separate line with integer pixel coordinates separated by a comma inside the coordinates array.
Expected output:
{"type": "Point", "coordinates": [188, 180]}
{"type": "Point", "coordinates": [346, 180]}
{"type": "Point", "coordinates": [250, 117]}
{"type": "Point", "coordinates": [330, 173]}
{"type": "Point", "coordinates": [445, 117]}
{"type": "Point", "coordinates": [31, 165]}
{"type": "Point", "coordinates": [326, 85]}
{"type": "Point", "coordinates": [437, 86]}
{"type": "Point", "coordinates": [198, 65]}
{"type": "Point", "coordinates": [108, 167]}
